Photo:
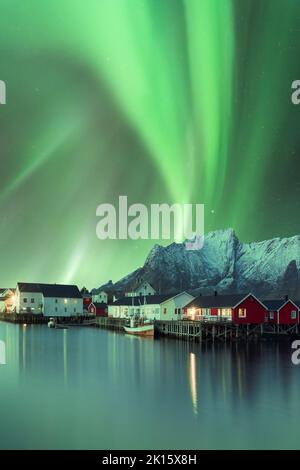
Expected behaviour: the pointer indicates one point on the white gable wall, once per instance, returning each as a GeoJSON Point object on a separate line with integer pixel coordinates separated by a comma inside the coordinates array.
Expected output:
{"type": "Point", "coordinates": [101, 297]}
{"type": "Point", "coordinates": [144, 289]}
{"type": "Point", "coordinates": [170, 306]}
{"type": "Point", "coordinates": [29, 302]}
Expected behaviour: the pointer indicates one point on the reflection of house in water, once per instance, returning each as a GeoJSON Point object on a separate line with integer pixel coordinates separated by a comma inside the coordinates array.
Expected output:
{"type": "Point", "coordinates": [43, 354]}
{"type": "Point", "coordinates": [2, 353]}
{"type": "Point", "coordinates": [9, 335]}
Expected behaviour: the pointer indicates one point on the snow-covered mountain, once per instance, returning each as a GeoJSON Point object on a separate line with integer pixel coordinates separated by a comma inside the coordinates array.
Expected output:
{"type": "Point", "coordinates": [270, 268]}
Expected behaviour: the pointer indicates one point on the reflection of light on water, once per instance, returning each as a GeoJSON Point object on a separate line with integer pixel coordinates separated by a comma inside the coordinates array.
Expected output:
{"type": "Point", "coordinates": [239, 376]}
{"type": "Point", "coordinates": [24, 345]}
{"type": "Point", "coordinates": [65, 357]}
{"type": "Point", "coordinates": [193, 382]}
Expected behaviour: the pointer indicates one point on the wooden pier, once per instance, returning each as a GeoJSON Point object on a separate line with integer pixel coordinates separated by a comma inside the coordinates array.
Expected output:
{"type": "Point", "coordinates": [24, 318]}
{"type": "Point", "coordinates": [205, 331]}
{"type": "Point", "coordinates": [110, 323]}
{"type": "Point", "coordinates": [198, 331]}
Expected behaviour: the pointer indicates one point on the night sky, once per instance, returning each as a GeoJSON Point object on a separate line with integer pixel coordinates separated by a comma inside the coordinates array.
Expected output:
{"type": "Point", "coordinates": [160, 100]}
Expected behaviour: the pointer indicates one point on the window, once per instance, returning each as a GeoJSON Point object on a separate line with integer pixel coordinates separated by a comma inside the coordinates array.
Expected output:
{"type": "Point", "coordinates": [165, 310]}
{"type": "Point", "coordinates": [75, 310]}
{"type": "Point", "coordinates": [32, 301]}
{"type": "Point", "coordinates": [225, 312]}
{"type": "Point", "coordinates": [271, 315]}
{"type": "Point", "coordinates": [65, 301]}
{"type": "Point", "coordinates": [175, 310]}
{"type": "Point", "coordinates": [206, 311]}
{"type": "Point", "coordinates": [56, 309]}
{"type": "Point", "coordinates": [242, 313]}
{"type": "Point", "coordinates": [293, 314]}
{"type": "Point", "coordinates": [56, 301]}
{"type": "Point", "coordinates": [66, 309]}
{"type": "Point", "coordinates": [25, 300]}
{"type": "Point", "coordinates": [179, 311]}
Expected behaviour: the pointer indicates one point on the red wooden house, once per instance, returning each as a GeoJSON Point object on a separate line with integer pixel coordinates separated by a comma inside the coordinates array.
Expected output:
{"type": "Point", "coordinates": [239, 308]}
{"type": "Point", "coordinates": [98, 309]}
{"type": "Point", "coordinates": [282, 312]}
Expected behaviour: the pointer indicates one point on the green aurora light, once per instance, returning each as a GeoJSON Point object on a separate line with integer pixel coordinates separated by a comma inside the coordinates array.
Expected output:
{"type": "Point", "coordinates": [161, 100]}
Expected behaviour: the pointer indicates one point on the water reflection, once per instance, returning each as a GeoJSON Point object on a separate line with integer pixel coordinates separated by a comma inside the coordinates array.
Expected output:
{"type": "Point", "coordinates": [90, 388]}
{"type": "Point", "coordinates": [65, 346]}
{"type": "Point", "coordinates": [193, 382]}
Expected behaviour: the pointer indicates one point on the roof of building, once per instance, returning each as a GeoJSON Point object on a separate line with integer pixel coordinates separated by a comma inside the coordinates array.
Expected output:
{"type": "Point", "coordinates": [99, 304]}
{"type": "Point", "coordinates": [216, 301]}
{"type": "Point", "coordinates": [51, 290]}
{"type": "Point", "coordinates": [143, 300]}
{"type": "Point", "coordinates": [29, 287]}
{"type": "Point", "coordinates": [139, 284]}
{"type": "Point", "coordinates": [275, 304]}
{"type": "Point", "coordinates": [4, 290]}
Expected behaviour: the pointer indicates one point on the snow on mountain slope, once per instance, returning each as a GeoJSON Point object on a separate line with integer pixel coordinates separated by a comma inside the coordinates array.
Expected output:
{"type": "Point", "coordinates": [268, 268]}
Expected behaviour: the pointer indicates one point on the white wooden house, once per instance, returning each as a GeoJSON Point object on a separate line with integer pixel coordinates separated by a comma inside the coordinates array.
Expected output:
{"type": "Point", "coordinates": [7, 300]}
{"type": "Point", "coordinates": [173, 308]}
{"type": "Point", "coordinates": [100, 297]}
{"type": "Point", "coordinates": [29, 298]}
{"type": "Point", "coordinates": [146, 306]}
{"type": "Point", "coordinates": [152, 307]}
{"type": "Point", "coordinates": [50, 300]}
{"type": "Point", "coordinates": [142, 288]}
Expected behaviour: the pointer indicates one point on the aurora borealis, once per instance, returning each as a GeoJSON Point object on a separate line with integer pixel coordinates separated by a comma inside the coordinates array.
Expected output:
{"type": "Point", "coordinates": [161, 100]}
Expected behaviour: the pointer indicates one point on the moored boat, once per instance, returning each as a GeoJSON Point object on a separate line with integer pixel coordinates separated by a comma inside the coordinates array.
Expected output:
{"type": "Point", "coordinates": [142, 329]}
{"type": "Point", "coordinates": [52, 323]}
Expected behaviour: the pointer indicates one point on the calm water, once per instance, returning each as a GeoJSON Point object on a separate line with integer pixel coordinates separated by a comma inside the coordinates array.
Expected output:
{"type": "Point", "coordinates": [95, 389]}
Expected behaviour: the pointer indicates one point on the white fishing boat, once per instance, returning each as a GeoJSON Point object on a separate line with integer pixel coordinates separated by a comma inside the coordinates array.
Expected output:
{"type": "Point", "coordinates": [52, 323]}
{"type": "Point", "coordinates": [140, 329]}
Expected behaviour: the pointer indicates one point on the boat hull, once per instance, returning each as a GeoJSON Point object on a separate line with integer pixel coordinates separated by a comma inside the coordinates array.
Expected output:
{"type": "Point", "coordinates": [143, 330]}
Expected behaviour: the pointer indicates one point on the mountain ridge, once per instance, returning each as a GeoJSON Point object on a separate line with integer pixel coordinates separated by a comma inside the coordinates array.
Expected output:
{"type": "Point", "coordinates": [268, 268]}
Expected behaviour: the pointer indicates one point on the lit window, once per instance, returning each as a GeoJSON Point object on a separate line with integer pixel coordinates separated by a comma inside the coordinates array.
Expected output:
{"type": "Point", "coordinates": [293, 314]}
{"type": "Point", "coordinates": [65, 301]}
{"type": "Point", "coordinates": [242, 313]}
